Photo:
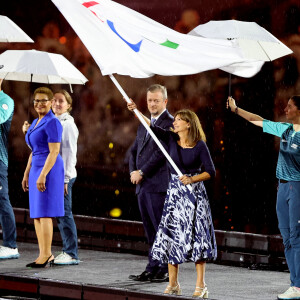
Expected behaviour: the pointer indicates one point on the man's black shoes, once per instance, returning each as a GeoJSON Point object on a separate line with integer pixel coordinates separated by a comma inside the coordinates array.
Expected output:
{"type": "Point", "coordinates": [160, 277]}
{"type": "Point", "coordinates": [148, 276]}
{"type": "Point", "coordinates": [145, 276]}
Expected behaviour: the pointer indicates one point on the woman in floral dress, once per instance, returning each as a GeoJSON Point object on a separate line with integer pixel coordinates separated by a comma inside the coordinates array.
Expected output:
{"type": "Point", "coordinates": [186, 230]}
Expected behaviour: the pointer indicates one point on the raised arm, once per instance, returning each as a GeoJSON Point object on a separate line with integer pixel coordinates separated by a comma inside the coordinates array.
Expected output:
{"type": "Point", "coordinates": [254, 119]}
{"type": "Point", "coordinates": [131, 106]}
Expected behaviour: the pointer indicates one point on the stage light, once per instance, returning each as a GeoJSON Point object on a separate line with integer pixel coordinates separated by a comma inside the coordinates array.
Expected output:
{"type": "Point", "coordinates": [115, 212]}
{"type": "Point", "coordinates": [110, 145]}
{"type": "Point", "coordinates": [117, 192]}
{"type": "Point", "coordinates": [62, 39]}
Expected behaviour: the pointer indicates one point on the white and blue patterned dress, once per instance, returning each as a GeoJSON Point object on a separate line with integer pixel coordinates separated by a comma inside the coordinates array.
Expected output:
{"type": "Point", "coordinates": [186, 230]}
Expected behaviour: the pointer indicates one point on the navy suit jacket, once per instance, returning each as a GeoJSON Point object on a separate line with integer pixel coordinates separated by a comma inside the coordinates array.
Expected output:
{"type": "Point", "coordinates": [146, 156]}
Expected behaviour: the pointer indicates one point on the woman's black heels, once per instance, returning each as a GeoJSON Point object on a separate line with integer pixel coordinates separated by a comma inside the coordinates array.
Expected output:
{"type": "Point", "coordinates": [35, 265]}
{"type": "Point", "coordinates": [30, 265]}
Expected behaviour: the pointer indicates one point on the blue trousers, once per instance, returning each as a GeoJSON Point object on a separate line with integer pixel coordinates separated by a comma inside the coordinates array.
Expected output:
{"type": "Point", "coordinates": [7, 217]}
{"type": "Point", "coordinates": [66, 225]}
{"type": "Point", "coordinates": [288, 213]}
{"type": "Point", "coordinates": [151, 207]}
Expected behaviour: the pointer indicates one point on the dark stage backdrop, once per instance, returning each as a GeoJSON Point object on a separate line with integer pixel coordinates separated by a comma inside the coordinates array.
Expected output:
{"type": "Point", "coordinates": [243, 194]}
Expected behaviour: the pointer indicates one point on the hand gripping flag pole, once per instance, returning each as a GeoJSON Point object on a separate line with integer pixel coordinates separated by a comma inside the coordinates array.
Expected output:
{"type": "Point", "coordinates": [140, 117]}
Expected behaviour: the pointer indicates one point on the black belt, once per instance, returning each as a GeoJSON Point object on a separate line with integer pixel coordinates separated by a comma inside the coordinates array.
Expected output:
{"type": "Point", "coordinates": [283, 181]}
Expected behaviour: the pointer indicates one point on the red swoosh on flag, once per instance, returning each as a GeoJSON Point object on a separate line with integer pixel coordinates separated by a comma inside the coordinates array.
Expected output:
{"type": "Point", "coordinates": [134, 47]}
{"type": "Point", "coordinates": [89, 4]}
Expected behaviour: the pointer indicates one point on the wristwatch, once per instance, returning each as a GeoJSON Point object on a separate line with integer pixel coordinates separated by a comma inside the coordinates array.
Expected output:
{"type": "Point", "coordinates": [141, 173]}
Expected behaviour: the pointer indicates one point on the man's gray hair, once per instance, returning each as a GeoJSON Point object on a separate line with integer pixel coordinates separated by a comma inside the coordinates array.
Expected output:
{"type": "Point", "coordinates": [157, 87]}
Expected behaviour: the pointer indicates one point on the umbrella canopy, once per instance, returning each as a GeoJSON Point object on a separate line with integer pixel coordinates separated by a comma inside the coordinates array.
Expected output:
{"type": "Point", "coordinates": [11, 32]}
{"type": "Point", "coordinates": [255, 41]}
{"type": "Point", "coordinates": [38, 66]}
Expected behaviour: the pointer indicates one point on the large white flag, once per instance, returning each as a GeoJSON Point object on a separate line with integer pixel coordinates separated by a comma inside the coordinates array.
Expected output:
{"type": "Point", "coordinates": [125, 42]}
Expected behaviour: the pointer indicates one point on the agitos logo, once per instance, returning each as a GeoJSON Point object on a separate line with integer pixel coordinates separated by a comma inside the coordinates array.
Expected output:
{"type": "Point", "coordinates": [135, 47]}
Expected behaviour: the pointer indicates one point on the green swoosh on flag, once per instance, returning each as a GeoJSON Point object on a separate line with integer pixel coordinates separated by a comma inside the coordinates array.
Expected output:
{"type": "Point", "coordinates": [170, 44]}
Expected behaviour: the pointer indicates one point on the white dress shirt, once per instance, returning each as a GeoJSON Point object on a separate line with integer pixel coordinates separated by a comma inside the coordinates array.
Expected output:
{"type": "Point", "coordinates": [68, 147]}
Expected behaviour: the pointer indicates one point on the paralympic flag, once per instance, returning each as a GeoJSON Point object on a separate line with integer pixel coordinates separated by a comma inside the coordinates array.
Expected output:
{"type": "Point", "coordinates": [126, 42]}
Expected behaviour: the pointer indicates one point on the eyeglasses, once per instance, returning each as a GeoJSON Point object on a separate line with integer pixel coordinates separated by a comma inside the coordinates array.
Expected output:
{"type": "Point", "coordinates": [42, 101]}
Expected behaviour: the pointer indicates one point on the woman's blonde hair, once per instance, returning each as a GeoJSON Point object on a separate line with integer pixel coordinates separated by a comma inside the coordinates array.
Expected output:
{"type": "Point", "coordinates": [196, 132]}
{"type": "Point", "coordinates": [68, 98]}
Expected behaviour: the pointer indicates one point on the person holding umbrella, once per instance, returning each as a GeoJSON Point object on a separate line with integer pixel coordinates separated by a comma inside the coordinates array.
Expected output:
{"type": "Point", "coordinates": [288, 174]}
{"type": "Point", "coordinates": [44, 174]}
{"type": "Point", "coordinates": [186, 230]}
{"type": "Point", "coordinates": [7, 217]}
{"type": "Point", "coordinates": [61, 106]}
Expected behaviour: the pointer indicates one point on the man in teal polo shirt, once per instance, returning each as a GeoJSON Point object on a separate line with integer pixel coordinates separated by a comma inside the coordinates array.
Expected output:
{"type": "Point", "coordinates": [7, 218]}
{"type": "Point", "coordinates": [288, 174]}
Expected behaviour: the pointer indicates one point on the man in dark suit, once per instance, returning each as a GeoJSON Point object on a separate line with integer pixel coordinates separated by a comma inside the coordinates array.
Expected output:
{"type": "Point", "coordinates": [148, 170]}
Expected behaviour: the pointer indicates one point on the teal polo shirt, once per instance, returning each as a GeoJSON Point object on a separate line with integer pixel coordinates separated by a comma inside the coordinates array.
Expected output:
{"type": "Point", "coordinates": [288, 165]}
{"type": "Point", "coordinates": [6, 114]}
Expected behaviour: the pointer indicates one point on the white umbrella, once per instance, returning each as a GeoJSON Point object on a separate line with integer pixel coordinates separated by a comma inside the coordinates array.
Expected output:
{"type": "Point", "coordinates": [11, 32]}
{"type": "Point", "coordinates": [256, 42]}
{"type": "Point", "coordinates": [40, 67]}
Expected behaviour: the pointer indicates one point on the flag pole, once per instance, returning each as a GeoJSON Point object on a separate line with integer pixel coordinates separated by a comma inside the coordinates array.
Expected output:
{"type": "Point", "coordinates": [140, 117]}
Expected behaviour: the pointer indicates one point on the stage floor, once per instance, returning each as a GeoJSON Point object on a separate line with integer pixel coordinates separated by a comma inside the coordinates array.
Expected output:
{"type": "Point", "coordinates": [111, 270]}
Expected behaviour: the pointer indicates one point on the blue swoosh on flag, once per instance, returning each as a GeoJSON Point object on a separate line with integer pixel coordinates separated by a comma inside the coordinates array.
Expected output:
{"type": "Point", "coordinates": [134, 47]}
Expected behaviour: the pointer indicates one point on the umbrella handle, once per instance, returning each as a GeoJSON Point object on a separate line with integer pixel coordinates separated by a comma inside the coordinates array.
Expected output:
{"type": "Point", "coordinates": [229, 85]}
{"type": "Point", "coordinates": [29, 102]}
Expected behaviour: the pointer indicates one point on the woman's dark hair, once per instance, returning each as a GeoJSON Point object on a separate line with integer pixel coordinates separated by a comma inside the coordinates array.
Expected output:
{"type": "Point", "coordinates": [44, 90]}
{"type": "Point", "coordinates": [296, 100]}
{"type": "Point", "coordinates": [196, 132]}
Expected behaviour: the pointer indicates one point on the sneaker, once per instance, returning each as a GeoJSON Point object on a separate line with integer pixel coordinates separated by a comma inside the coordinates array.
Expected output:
{"type": "Point", "coordinates": [291, 294]}
{"type": "Point", "coordinates": [7, 253]}
{"type": "Point", "coordinates": [65, 259]}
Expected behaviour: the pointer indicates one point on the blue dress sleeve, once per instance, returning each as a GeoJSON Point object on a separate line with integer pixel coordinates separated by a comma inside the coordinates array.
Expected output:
{"type": "Point", "coordinates": [54, 131]}
{"type": "Point", "coordinates": [162, 134]}
{"type": "Point", "coordinates": [206, 160]}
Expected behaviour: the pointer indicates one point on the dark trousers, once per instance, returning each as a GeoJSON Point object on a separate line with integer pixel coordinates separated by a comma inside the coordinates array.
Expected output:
{"type": "Point", "coordinates": [151, 207]}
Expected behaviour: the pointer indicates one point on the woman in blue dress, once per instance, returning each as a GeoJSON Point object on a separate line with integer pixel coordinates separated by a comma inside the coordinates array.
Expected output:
{"type": "Point", "coordinates": [288, 175]}
{"type": "Point", "coordinates": [44, 174]}
{"type": "Point", "coordinates": [186, 230]}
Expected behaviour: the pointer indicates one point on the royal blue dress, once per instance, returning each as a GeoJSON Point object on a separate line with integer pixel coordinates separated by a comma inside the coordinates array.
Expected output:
{"type": "Point", "coordinates": [186, 231]}
{"type": "Point", "coordinates": [49, 203]}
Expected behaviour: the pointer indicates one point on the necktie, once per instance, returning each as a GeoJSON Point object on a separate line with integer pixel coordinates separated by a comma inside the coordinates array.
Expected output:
{"type": "Point", "coordinates": [153, 121]}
